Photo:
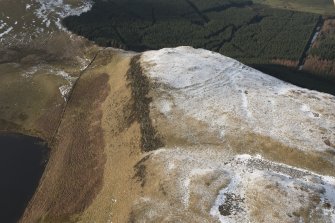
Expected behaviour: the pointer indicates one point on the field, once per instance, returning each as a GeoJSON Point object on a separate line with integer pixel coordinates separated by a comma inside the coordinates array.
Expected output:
{"type": "Point", "coordinates": [325, 7]}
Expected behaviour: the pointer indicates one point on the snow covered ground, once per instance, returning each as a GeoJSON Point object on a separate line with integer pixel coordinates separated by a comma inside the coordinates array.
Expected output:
{"type": "Point", "coordinates": [228, 95]}
{"type": "Point", "coordinates": [200, 102]}
{"type": "Point", "coordinates": [205, 185]}
{"type": "Point", "coordinates": [20, 21]}
{"type": "Point", "coordinates": [53, 11]}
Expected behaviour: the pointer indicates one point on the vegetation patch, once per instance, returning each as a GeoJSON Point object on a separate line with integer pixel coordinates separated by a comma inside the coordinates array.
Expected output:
{"type": "Point", "coordinates": [141, 170]}
{"type": "Point", "coordinates": [232, 204]}
{"type": "Point", "coordinates": [140, 87]}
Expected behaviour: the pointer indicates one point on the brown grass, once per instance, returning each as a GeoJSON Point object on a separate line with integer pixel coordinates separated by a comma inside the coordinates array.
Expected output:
{"type": "Point", "coordinates": [317, 65]}
{"type": "Point", "coordinates": [287, 63]}
{"type": "Point", "coordinates": [252, 143]}
{"type": "Point", "coordinates": [75, 170]}
{"type": "Point", "coordinates": [95, 170]}
{"type": "Point", "coordinates": [48, 122]}
{"type": "Point", "coordinates": [122, 145]}
{"type": "Point", "coordinates": [268, 200]}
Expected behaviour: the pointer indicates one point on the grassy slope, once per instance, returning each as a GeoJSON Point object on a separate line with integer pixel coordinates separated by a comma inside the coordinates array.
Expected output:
{"type": "Point", "coordinates": [30, 99]}
{"type": "Point", "coordinates": [27, 104]}
{"type": "Point", "coordinates": [314, 6]}
{"type": "Point", "coordinates": [91, 154]}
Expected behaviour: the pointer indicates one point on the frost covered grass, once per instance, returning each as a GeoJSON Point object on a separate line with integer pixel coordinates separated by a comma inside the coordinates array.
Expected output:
{"type": "Point", "coordinates": [233, 96]}
{"type": "Point", "coordinates": [204, 184]}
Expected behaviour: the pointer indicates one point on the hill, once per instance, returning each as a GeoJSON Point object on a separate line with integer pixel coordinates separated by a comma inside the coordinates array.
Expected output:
{"type": "Point", "coordinates": [242, 142]}
{"type": "Point", "coordinates": [170, 135]}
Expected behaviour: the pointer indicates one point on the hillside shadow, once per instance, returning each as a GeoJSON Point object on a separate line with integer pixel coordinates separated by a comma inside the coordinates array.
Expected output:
{"type": "Point", "coordinates": [300, 78]}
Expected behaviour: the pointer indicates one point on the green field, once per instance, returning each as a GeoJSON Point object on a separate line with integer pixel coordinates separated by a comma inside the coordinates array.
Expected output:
{"type": "Point", "coordinates": [324, 7]}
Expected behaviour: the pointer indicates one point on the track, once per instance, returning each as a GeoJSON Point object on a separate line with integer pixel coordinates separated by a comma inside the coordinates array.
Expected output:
{"type": "Point", "coordinates": [52, 140]}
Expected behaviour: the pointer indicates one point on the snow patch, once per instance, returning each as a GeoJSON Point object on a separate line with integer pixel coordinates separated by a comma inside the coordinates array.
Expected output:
{"type": "Point", "coordinates": [165, 107]}
{"type": "Point", "coordinates": [31, 71]}
{"type": "Point", "coordinates": [2, 24]}
{"type": "Point", "coordinates": [46, 69]}
{"type": "Point", "coordinates": [84, 62]}
{"type": "Point", "coordinates": [66, 89]}
{"type": "Point", "coordinates": [6, 32]}
{"type": "Point", "coordinates": [53, 11]}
